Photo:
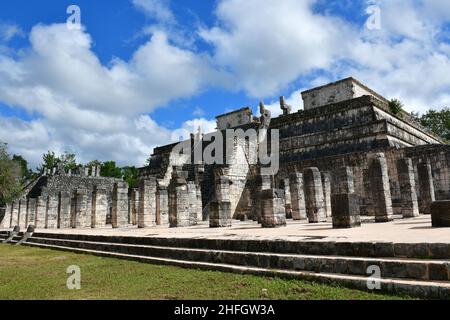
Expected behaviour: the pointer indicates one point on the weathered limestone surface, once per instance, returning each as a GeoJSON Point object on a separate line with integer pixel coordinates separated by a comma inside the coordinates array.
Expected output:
{"type": "Point", "coordinates": [6, 222]}
{"type": "Point", "coordinates": [41, 208]}
{"type": "Point", "coordinates": [23, 213]}
{"type": "Point", "coordinates": [440, 214]}
{"type": "Point", "coordinates": [51, 218]}
{"type": "Point", "coordinates": [82, 215]}
{"type": "Point", "coordinates": [326, 184]}
{"type": "Point", "coordinates": [426, 187]}
{"type": "Point", "coordinates": [296, 187]}
{"type": "Point", "coordinates": [380, 188]}
{"type": "Point", "coordinates": [119, 218]}
{"type": "Point", "coordinates": [273, 211]}
{"type": "Point", "coordinates": [99, 208]}
{"type": "Point", "coordinates": [220, 212]}
{"type": "Point", "coordinates": [134, 206]}
{"type": "Point", "coordinates": [409, 202]}
{"type": "Point", "coordinates": [147, 203]}
{"type": "Point", "coordinates": [179, 214]}
{"type": "Point", "coordinates": [31, 212]}
{"type": "Point", "coordinates": [315, 206]}
{"type": "Point", "coordinates": [15, 214]}
{"type": "Point", "coordinates": [64, 210]}
{"type": "Point", "coordinates": [343, 181]}
{"type": "Point", "coordinates": [162, 206]}
{"type": "Point", "coordinates": [345, 209]}
{"type": "Point", "coordinates": [193, 210]}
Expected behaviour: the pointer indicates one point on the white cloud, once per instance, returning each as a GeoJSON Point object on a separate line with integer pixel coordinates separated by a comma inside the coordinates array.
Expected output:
{"type": "Point", "coordinates": [90, 108]}
{"type": "Point", "coordinates": [157, 9]}
{"type": "Point", "coordinates": [9, 31]}
{"type": "Point", "coordinates": [268, 44]}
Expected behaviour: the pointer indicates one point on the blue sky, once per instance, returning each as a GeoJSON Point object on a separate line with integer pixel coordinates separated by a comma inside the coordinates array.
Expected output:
{"type": "Point", "coordinates": [140, 72]}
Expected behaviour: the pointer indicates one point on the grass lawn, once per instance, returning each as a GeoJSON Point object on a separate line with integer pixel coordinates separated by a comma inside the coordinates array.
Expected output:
{"type": "Point", "coordinates": [31, 273]}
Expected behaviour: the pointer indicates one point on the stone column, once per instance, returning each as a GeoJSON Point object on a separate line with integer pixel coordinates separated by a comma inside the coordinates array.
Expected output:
{"type": "Point", "coordinates": [41, 208]}
{"type": "Point", "coordinates": [23, 213]}
{"type": "Point", "coordinates": [82, 214]}
{"type": "Point", "coordinates": [15, 214]}
{"type": "Point", "coordinates": [119, 217]}
{"type": "Point", "coordinates": [426, 187]}
{"type": "Point", "coordinates": [6, 222]}
{"type": "Point", "coordinates": [220, 209]}
{"type": "Point", "coordinates": [199, 201]}
{"type": "Point", "coordinates": [51, 215]}
{"type": "Point", "coordinates": [31, 212]}
{"type": "Point", "coordinates": [345, 208]}
{"type": "Point", "coordinates": [287, 198]}
{"type": "Point", "coordinates": [64, 210]}
{"type": "Point", "coordinates": [162, 206]}
{"type": "Point", "coordinates": [380, 188]}
{"type": "Point", "coordinates": [273, 212]}
{"type": "Point", "coordinates": [298, 204]}
{"type": "Point", "coordinates": [342, 181]}
{"type": "Point", "coordinates": [147, 203]}
{"type": "Point", "coordinates": [99, 208]}
{"type": "Point", "coordinates": [86, 171]}
{"type": "Point", "coordinates": [134, 206]}
{"type": "Point", "coordinates": [440, 214]}
{"type": "Point", "coordinates": [178, 201]}
{"type": "Point", "coordinates": [315, 206]}
{"type": "Point", "coordinates": [193, 211]}
{"type": "Point", "coordinates": [410, 205]}
{"type": "Point", "coordinates": [326, 184]}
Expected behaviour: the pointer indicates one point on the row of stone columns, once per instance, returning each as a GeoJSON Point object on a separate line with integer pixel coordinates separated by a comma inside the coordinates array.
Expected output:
{"type": "Point", "coordinates": [81, 209]}
{"type": "Point", "coordinates": [178, 205]}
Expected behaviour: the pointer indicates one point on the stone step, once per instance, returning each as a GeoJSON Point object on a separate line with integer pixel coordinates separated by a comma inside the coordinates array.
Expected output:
{"type": "Point", "coordinates": [423, 289]}
{"type": "Point", "coordinates": [390, 267]}
{"type": "Point", "coordinates": [308, 247]}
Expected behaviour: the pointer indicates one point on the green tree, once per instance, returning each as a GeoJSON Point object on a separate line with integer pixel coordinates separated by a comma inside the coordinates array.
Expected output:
{"type": "Point", "coordinates": [110, 169]}
{"type": "Point", "coordinates": [437, 121]}
{"type": "Point", "coordinates": [49, 160]}
{"type": "Point", "coordinates": [10, 174]}
{"type": "Point", "coordinates": [396, 106]}
{"type": "Point", "coordinates": [69, 161]}
{"type": "Point", "coordinates": [130, 175]}
{"type": "Point", "coordinates": [25, 172]}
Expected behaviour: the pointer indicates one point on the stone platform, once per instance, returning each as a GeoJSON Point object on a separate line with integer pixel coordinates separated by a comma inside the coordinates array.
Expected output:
{"type": "Point", "coordinates": [413, 258]}
{"type": "Point", "coordinates": [412, 230]}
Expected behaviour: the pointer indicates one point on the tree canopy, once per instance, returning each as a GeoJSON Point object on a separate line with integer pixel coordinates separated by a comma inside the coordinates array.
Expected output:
{"type": "Point", "coordinates": [437, 121]}
{"type": "Point", "coordinates": [10, 176]}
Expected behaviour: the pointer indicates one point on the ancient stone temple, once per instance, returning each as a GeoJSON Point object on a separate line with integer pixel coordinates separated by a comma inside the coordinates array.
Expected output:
{"type": "Point", "coordinates": [345, 153]}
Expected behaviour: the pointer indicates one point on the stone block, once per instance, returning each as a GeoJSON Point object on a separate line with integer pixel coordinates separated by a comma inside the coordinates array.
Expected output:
{"type": "Point", "coordinates": [315, 206]}
{"type": "Point", "coordinates": [119, 217]}
{"type": "Point", "coordinates": [345, 208]}
{"type": "Point", "coordinates": [273, 212]}
{"type": "Point", "coordinates": [220, 214]}
{"type": "Point", "coordinates": [440, 214]}
{"type": "Point", "coordinates": [426, 187]}
{"type": "Point", "coordinates": [409, 202]}
{"type": "Point", "coordinates": [380, 187]}
{"type": "Point", "coordinates": [64, 210]}
{"type": "Point", "coordinates": [296, 187]}
{"type": "Point", "coordinates": [147, 203]}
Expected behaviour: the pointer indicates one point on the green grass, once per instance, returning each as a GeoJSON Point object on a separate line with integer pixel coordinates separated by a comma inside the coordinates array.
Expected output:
{"type": "Point", "coordinates": [32, 273]}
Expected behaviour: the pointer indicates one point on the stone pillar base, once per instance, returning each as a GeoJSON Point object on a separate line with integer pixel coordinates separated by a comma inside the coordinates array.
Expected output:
{"type": "Point", "coordinates": [440, 214]}
{"type": "Point", "coordinates": [345, 208]}
{"type": "Point", "coordinates": [273, 212]}
{"type": "Point", "coordinates": [220, 214]}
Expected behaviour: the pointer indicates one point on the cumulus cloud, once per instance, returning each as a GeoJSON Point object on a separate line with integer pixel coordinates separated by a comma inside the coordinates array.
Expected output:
{"type": "Point", "coordinates": [269, 44]}
{"type": "Point", "coordinates": [104, 111]}
{"type": "Point", "coordinates": [157, 9]}
{"type": "Point", "coordinates": [96, 110]}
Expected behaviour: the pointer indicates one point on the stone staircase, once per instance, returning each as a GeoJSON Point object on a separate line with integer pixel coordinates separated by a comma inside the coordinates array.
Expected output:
{"type": "Point", "coordinates": [421, 270]}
